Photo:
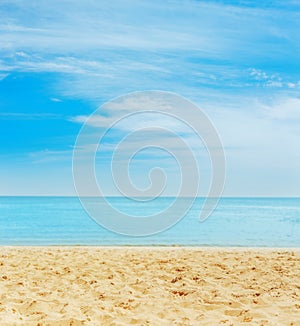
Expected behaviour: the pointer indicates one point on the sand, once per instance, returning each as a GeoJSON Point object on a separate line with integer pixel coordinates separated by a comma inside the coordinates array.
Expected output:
{"type": "Point", "coordinates": [149, 286]}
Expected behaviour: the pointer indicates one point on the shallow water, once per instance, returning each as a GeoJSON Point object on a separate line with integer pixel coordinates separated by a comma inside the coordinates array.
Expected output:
{"type": "Point", "coordinates": [271, 222]}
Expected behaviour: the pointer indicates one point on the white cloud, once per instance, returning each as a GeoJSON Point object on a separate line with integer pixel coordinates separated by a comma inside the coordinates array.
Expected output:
{"type": "Point", "coordinates": [59, 64]}
{"type": "Point", "coordinates": [98, 50]}
{"type": "Point", "coordinates": [62, 28]}
{"type": "Point", "coordinates": [124, 56]}
{"type": "Point", "coordinates": [48, 156]}
{"type": "Point", "coordinates": [143, 110]}
{"type": "Point", "coordinates": [54, 99]}
{"type": "Point", "coordinates": [270, 80]}
{"type": "Point", "coordinates": [256, 137]}
{"type": "Point", "coordinates": [285, 109]}
{"type": "Point", "coordinates": [258, 74]}
{"type": "Point", "coordinates": [28, 116]}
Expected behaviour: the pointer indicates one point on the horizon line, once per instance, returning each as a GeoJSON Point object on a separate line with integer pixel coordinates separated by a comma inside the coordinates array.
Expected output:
{"type": "Point", "coordinates": [114, 196]}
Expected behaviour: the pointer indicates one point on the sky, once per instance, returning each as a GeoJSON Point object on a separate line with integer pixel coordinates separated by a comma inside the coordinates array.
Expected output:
{"type": "Point", "coordinates": [236, 60]}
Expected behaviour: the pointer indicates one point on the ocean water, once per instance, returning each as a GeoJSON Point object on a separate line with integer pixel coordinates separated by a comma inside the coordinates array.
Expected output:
{"type": "Point", "coordinates": [267, 222]}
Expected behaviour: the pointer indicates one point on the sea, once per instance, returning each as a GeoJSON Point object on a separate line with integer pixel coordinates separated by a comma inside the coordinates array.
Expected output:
{"type": "Point", "coordinates": [239, 222]}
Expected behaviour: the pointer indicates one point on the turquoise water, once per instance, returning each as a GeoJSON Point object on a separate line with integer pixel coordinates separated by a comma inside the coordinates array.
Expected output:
{"type": "Point", "coordinates": [271, 222]}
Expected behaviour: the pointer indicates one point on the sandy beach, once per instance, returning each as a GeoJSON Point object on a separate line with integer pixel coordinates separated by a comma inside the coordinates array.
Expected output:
{"type": "Point", "coordinates": [149, 286]}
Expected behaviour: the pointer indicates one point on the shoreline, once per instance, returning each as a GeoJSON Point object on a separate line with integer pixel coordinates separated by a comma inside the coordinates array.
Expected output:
{"type": "Point", "coordinates": [159, 246]}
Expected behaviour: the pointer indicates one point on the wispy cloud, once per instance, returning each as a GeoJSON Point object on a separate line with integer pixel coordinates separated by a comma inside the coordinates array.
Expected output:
{"type": "Point", "coordinates": [110, 55]}
{"type": "Point", "coordinates": [54, 99]}
{"type": "Point", "coordinates": [28, 116]}
{"type": "Point", "coordinates": [84, 53]}
{"type": "Point", "coordinates": [285, 109]}
{"type": "Point", "coordinates": [49, 156]}
{"type": "Point", "coordinates": [3, 76]}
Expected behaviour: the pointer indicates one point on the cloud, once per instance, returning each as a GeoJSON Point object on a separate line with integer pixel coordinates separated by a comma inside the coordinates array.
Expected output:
{"type": "Point", "coordinates": [36, 63]}
{"type": "Point", "coordinates": [257, 138]}
{"type": "Point", "coordinates": [265, 79]}
{"type": "Point", "coordinates": [88, 26]}
{"type": "Point", "coordinates": [54, 99]}
{"type": "Point", "coordinates": [287, 109]}
{"type": "Point", "coordinates": [191, 49]}
{"type": "Point", "coordinates": [3, 76]}
{"type": "Point", "coordinates": [28, 116]}
{"type": "Point", "coordinates": [142, 110]}
{"type": "Point", "coordinates": [49, 156]}
{"type": "Point", "coordinates": [142, 120]}
{"type": "Point", "coordinates": [246, 78]}
{"type": "Point", "coordinates": [258, 74]}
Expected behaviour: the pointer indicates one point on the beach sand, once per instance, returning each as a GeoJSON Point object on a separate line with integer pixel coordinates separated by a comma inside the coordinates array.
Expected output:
{"type": "Point", "coordinates": [149, 286]}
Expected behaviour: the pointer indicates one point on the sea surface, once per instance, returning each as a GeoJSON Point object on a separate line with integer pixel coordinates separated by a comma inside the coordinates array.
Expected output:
{"type": "Point", "coordinates": [264, 222]}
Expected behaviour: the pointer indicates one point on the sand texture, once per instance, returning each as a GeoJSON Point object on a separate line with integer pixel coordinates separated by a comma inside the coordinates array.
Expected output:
{"type": "Point", "coordinates": [149, 286]}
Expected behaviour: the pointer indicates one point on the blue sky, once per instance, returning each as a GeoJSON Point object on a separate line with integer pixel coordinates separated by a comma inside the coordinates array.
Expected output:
{"type": "Point", "coordinates": [237, 60]}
